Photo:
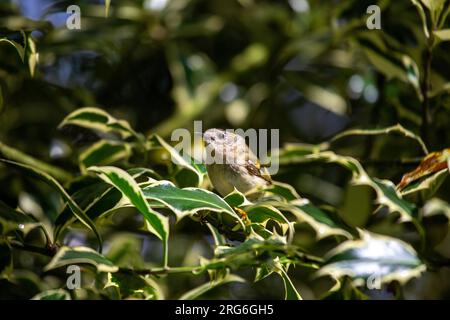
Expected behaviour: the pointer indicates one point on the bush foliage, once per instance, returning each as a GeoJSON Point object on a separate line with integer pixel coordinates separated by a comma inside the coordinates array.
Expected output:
{"type": "Point", "coordinates": [358, 210]}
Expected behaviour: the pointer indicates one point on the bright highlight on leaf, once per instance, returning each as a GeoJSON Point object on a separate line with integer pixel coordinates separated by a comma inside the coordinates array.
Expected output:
{"type": "Point", "coordinates": [81, 255]}
{"type": "Point", "coordinates": [379, 257]}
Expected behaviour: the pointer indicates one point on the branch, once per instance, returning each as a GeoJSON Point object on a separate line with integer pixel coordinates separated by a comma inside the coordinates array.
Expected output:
{"type": "Point", "coordinates": [159, 271]}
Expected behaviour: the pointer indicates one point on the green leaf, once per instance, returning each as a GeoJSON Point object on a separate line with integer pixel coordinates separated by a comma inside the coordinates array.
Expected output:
{"type": "Point", "coordinates": [204, 288]}
{"type": "Point", "coordinates": [389, 130]}
{"type": "Point", "coordinates": [30, 53]}
{"type": "Point", "coordinates": [99, 199]}
{"type": "Point", "coordinates": [14, 220]}
{"type": "Point", "coordinates": [77, 211]}
{"type": "Point", "coordinates": [95, 199]}
{"type": "Point", "coordinates": [284, 190]}
{"type": "Point", "coordinates": [344, 290]}
{"type": "Point", "coordinates": [107, 5]}
{"type": "Point", "coordinates": [187, 174]}
{"type": "Point", "coordinates": [427, 177]}
{"type": "Point", "coordinates": [385, 190]}
{"type": "Point", "coordinates": [250, 252]}
{"type": "Point", "coordinates": [442, 35]}
{"type": "Point", "coordinates": [140, 172]}
{"type": "Point", "coordinates": [100, 120]}
{"type": "Point", "coordinates": [6, 259]}
{"type": "Point", "coordinates": [423, 16]}
{"type": "Point", "coordinates": [131, 285]}
{"type": "Point", "coordinates": [19, 48]}
{"type": "Point", "coordinates": [435, 207]}
{"type": "Point", "coordinates": [435, 219]}
{"type": "Point", "coordinates": [320, 221]}
{"type": "Point", "coordinates": [435, 7]}
{"type": "Point", "coordinates": [18, 156]}
{"type": "Point", "coordinates": [426, 187]}
{"type": "Point", "coordinates": [54, 294]}
{"type": "Point", "coordinates": [263, 271]}
{"type": "Point", "coordinates": [373, 256]}
{"type": "Point", "coordinates": [391, 63]}
{"type": "Point", "coordinates": [187, 201]}
{"type": "Point", "coordinates": [158, 224]}
{"type": "Point", "coordinates": [291, 292]}
{"type": "Point", "coordinates": [236, 199]}
{"type": "Point", "coordinates": [80, 255]}
{"type": "Point", "coordinates": [262, 213]}
{"type": "Point", "coordinates": [104, 152]}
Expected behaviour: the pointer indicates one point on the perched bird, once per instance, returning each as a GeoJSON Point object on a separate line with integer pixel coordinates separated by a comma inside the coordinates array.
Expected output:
{"type": "Point", "coordinates": [231, 164]}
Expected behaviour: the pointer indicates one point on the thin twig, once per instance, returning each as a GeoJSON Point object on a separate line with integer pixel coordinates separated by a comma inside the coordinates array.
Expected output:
{"type": "Point", "coordinates": [160, 271]}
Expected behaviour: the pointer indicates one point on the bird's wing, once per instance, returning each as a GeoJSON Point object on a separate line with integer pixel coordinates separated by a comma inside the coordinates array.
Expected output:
{"type": "Point", "coordinates": [254, 168]}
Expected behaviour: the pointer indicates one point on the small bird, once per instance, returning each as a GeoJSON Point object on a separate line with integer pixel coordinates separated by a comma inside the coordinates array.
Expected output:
{"type": "Point", "coordinates": [231, 164]}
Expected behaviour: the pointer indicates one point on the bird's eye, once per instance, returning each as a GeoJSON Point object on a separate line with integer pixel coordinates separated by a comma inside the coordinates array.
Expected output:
{"type": "Point", "coordinates": [220, 135]}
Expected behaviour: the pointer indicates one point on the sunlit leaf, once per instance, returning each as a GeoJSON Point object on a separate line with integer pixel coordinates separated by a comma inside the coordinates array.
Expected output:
{"type": "Point", "coordinates": [130, 189]}
{"type": "Point", "coordinates": [236, 199]}
{"type": "Point", "coordinates": [204, 288]}
{"type": "Point", "coordinates": [320, 221]}
{"type": "Point", "coordinates": [54, 294]}
{"type": "Point", "coordinates": [14, 220]}
{"type": "Point", "coordinates": [425, 186]}
{"type": "Point", "coordinates": [18, 156]}
{"type": "Point", "coordinates": [187, 200]}
{"type": "Point", "coordinates": [187, 174]}
{"type": "Point", "coordinates": [131, 285]}
{"type": "Point", "coordinates": [107, 5]}
{"type": "Point", "coordinates": [19, 48]}
{"type": "Point", "coordinates": [344, 289]}
{"type": "Point", "coordinates": [399, 129]}
{"type": "Point", "coordinates": [291, 292]}
{"type": "Point", "coordinates": [432, 163]}
{"type": "Point", "coordinates": [373, 258]}
{"type": "Point", "coordinates": [423, 16]}
{"type": "Point", "coordinates": [284, 190]}
{"type": "Point", "coordinates": [77, 211]}
{"type": "Point", "coordinates": [96, 199]}
{"type": "Point", "coordinates": [261, 213]}
{"type": "Point", "coordinates": [99, 199]}
{"type": "Point", "coordinates": [31, 54]}
{"type": "Point", "coordinates": [80, 255]}
{"type": "Point", "coordinates": [442, 35]}
{"type": "Point", "coordinates": [104, 153]}
{"type": "Point", "coordinates": [385, 190]}
{"type": "Point", "coordinates": [251, 251]}
{"type": "Point", "coordinates": [391, 63]}
{"type": "Point", "coordinates": [157, 223]}
{"type": "Point", "coordinates": [100, 120]}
